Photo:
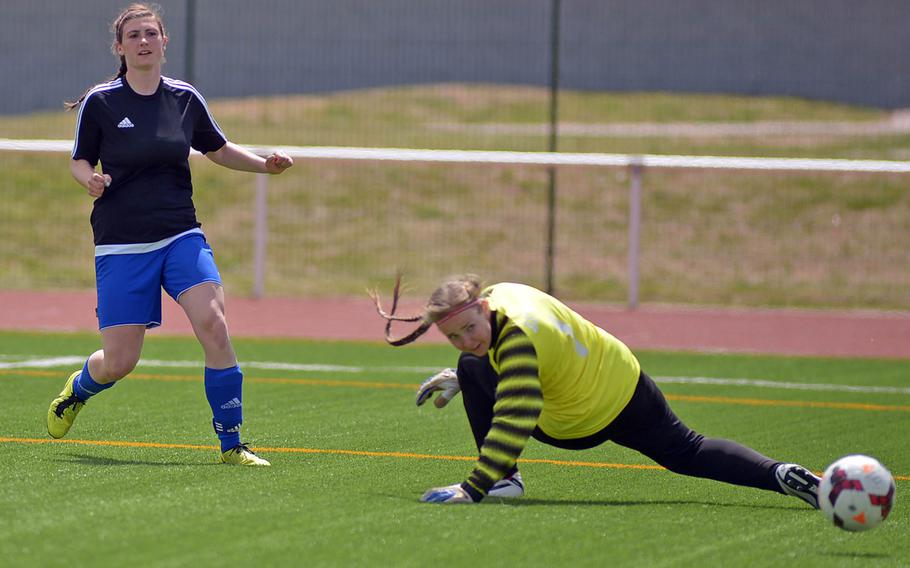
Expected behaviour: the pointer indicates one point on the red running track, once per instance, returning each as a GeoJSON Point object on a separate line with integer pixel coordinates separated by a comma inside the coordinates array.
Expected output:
{"type": "Point", "coordinates": [768, 331]}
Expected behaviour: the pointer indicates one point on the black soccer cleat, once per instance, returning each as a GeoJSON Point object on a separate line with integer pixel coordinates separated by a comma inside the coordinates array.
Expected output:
{"type": "Point", "coordinates": [799, 482]}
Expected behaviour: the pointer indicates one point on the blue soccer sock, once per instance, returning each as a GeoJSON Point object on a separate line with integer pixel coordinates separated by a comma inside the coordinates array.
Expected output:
{"type": "Point", "coordinates": [224, 391]}
{"type": "Point", "coordinates": [85, 386]}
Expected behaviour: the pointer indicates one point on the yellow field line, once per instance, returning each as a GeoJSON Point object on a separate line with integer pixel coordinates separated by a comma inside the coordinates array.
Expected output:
{"type": "Point", "coordinates": [199, 379]}
{"type": "Point", "coordinates": [375, 385]}
{"type": "Point", "coordinates": [364, 453]}
{"type": "Point", "coordinates": [115, 444]}
{"type": "Point", "coordinates": [799, 403]}
{"type": "Point", "coordinates": [126, 444]}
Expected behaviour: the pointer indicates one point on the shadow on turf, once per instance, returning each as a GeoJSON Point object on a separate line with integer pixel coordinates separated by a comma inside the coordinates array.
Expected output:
{"type": "Point", "coordinates": [84, 459]}
{"type": "Point", "coordinates": [857, 555]}
{"type": "Point", "coordinates": [525, 502]}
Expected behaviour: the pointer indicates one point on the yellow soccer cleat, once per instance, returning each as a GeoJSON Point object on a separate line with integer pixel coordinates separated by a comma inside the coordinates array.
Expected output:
{"type": "Point", "coordinates": [242, 455]}
{"type": "Point", "coordinates": [63, 411]}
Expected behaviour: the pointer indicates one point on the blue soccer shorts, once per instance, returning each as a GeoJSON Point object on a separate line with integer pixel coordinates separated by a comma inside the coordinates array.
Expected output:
{"type": "Point", "coordinates": [130, 277]}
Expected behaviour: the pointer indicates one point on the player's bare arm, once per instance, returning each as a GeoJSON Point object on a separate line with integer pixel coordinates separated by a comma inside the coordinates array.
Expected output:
{"type": "Point", "coordinates": [239, 158]}
{"type": "Point", "coordinates": [86, 175]}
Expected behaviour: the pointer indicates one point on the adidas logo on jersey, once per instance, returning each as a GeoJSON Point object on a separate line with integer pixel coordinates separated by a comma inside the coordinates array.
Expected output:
{"type": "Point", "coordinates": [125, 123]}
{"type": "Point", "coordinates": [233, 403]}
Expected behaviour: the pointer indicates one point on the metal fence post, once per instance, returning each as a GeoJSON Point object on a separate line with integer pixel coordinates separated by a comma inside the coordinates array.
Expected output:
{"type": "Point", "coordinates": [634, 232]}
{"type": "Point", "coordinates": [189, 52]}
{"type": "Point", "coordinates": [553, 139]}
{"type": "Point", "coordinates": [260, 234]}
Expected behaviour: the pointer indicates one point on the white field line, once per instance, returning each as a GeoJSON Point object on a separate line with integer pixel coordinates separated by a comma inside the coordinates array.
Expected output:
{"type": "Point", "coordinates": [7, 362]}
{"type": "Point", "coordinates": [70, 360]}
{"type": "Point", "coordinates": [784, 385]}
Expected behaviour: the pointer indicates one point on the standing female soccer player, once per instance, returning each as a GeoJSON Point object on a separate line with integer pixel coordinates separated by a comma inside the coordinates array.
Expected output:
{"type": "Point", "coordinates": [140, 126]}
{"type": "Point", "coordinates": [530, 366]}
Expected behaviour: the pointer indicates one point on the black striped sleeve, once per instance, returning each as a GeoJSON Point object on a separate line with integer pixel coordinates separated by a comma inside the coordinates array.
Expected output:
{"type": "Point", "coordinates": [519, 401]}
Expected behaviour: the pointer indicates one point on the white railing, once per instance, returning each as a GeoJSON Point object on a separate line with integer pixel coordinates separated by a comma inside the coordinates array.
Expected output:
{"type": "Point", "coordinates": [636, 164]}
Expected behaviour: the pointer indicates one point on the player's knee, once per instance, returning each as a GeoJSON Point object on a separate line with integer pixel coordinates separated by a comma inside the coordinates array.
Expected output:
{"type": "Point", "coordinates": [681, 455]}
{"type": "Point", "coordinates": [214, 332]}
{"type": "Point", "coordinates": [682, 464]}
{"type": "Point", "coordinates": [474, 370]}
{"type": "Point", "coordinates": [116, 367]}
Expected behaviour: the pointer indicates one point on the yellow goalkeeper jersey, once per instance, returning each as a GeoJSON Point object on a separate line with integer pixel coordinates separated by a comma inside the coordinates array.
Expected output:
{"type": "Point", "coordinates": [557, 371]}
{"type": "Point", "coordinates": [587, 376]}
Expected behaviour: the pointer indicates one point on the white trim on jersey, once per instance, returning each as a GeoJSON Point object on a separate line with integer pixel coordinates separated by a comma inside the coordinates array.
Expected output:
{"type": "Point", "coordinates": [139, 248]}
{"type": "Point", "coordinates": [178, 84]}
{"type": "Point", "coordinates": [116, 83]}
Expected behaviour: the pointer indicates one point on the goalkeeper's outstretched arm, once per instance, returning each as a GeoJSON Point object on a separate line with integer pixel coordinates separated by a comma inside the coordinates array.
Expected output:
{"type": "Point", "coordinates": [519, 401]}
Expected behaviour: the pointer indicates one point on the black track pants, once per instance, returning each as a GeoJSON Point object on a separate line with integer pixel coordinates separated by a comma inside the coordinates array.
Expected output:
{"type": "Point", "coordinates": [647, 424]}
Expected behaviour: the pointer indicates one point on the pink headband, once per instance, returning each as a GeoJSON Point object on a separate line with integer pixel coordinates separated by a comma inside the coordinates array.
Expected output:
{"type": "Point", "coordinates": [458, 310]}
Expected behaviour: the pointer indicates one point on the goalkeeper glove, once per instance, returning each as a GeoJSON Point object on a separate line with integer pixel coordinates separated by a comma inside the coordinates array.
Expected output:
{"type": "Point", "coordinates": [451, 494]}
{"type": "Point", "coordinates": [445, 381]}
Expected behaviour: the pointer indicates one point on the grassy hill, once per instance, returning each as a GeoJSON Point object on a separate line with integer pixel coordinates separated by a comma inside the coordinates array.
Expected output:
{"type": "Point", "coordinates": [719, 237]}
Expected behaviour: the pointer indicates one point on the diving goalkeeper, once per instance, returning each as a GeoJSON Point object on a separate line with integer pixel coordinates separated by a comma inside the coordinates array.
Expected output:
{"type": "Point", "coordinates": [532, 367]}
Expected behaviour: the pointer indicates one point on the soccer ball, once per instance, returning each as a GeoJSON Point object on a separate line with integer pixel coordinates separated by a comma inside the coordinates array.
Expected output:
{"type": "Point", "coordinates": [856, 493]}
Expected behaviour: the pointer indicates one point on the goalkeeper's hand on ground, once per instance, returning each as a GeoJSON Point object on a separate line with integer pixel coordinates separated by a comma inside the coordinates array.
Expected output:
{"type": "Point", "coordinates": [445, 381]}
{"type": "Point", "coordinates": [451, 494]}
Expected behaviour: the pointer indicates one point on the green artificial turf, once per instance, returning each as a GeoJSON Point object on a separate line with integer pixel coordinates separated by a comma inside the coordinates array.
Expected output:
{"type": "Point", "coordinates": [351, 455]}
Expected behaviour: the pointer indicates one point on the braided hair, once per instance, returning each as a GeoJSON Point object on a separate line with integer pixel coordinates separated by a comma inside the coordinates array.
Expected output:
{"type": "Point", "coordinates": [454, 295]}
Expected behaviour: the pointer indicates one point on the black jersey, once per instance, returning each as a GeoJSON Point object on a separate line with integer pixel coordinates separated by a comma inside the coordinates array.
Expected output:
{"type": "Point", "coordinates": [143, 143]}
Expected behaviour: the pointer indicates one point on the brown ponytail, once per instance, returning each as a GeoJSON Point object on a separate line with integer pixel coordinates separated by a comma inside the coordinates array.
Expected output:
{"type": "Point", "coordinates": [454, 294]}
